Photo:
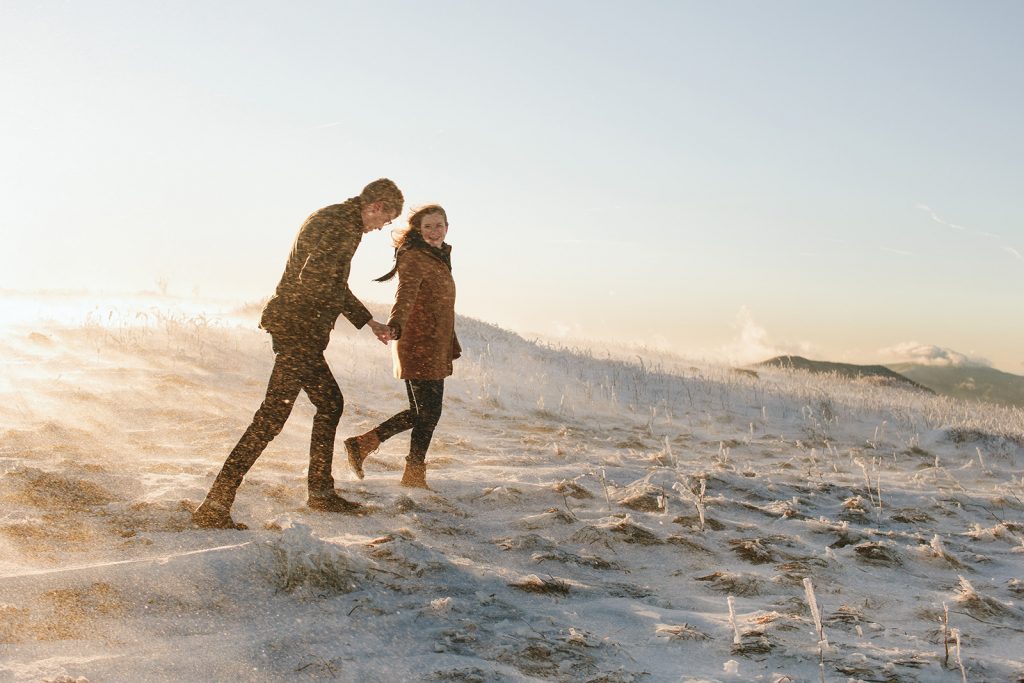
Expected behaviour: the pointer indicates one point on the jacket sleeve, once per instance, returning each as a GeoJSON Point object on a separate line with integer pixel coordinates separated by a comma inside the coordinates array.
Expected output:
{"type": "Point", "coordinates": [410, 276]}
{"type": "Point", "coordinates": [456, 347]}
{"type": "Point", "coordinates": [324, 275]}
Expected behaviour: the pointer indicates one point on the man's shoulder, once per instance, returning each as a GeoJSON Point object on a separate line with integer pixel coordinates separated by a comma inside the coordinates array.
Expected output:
{"type": "Point", "coordinates": [339, 215]}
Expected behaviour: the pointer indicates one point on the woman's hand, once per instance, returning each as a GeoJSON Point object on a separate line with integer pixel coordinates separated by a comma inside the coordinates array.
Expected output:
{"type": "Point", "coordinates": [381, 331]}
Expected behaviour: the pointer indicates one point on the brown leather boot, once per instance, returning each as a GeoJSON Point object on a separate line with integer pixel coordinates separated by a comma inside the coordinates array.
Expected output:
{"type": "Point", "coordinates": [332, 502]}
{"type": "Point", "coordinates": [212, 515]}
{"type": "Point", "coordinates": [359, 449]}
{"type": "Point", "coordinates": [415, 475]}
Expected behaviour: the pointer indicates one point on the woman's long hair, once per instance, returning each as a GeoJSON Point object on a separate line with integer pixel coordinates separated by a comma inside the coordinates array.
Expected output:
{"type": "Point", "coordinates": [410, 236]}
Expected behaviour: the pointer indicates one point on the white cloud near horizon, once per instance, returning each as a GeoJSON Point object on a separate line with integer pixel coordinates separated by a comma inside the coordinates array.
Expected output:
{"type": "Point", "coordinates": [565, 330]}
{"type": "Point", "coordinates": [752, 343]}
{"type": "Point", "coordinates": [930, 354]}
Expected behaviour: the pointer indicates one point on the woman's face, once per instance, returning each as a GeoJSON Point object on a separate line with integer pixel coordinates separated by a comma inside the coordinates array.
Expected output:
{"type": "Point", "coordinates": [434, 228]}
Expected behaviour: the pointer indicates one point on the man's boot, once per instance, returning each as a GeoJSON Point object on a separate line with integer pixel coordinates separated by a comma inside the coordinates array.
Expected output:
{"type": "Point", "coordinates": [359, 448]}
{"type": "Point", "coordinates": [332, 502]}
{"type": "Point", "coordinates": [213, 514]}
{"type": "Point", "coordinates": [415, 475]}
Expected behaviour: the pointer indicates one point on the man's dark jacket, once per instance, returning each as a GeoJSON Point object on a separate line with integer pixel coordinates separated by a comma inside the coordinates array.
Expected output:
{"type": "Point", "coordinates": [314, 291]}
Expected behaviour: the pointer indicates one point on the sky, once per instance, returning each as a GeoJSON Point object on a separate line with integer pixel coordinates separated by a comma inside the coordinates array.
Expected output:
{"type": "Point", "coordinates": [728, 180]}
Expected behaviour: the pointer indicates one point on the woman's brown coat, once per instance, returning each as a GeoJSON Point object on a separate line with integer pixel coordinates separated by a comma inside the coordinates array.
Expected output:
{"type": "Point", "coordinates": [424, 317]}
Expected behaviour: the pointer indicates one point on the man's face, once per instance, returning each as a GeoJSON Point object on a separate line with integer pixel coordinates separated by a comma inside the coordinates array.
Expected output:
{"type": "Point", "coordinates": [377, 215]}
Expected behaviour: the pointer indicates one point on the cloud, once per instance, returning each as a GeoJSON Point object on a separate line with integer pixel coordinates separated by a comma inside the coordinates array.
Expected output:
{"type": "Point", "coordinates": [594, 243]}
{"type": "Point", "coordinates": [327, 125]}
{"type": "Point", "coordinates": [970, 231]}
{"type": "Point", "coordinates": [929, 354]}
{"type": "Point", "coordinates": [897, 251]}
{"type": "Point", "coordinates": [564, 330]}
{"type": "Point", "coordinates": [752, 343]}
{"type": "Point", "coordinates": [935, 217]}
{"type": "Point", "coordinates": [1013, 252]}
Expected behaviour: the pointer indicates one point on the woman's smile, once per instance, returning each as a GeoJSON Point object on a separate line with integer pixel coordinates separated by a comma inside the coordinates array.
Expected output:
{"type": "Point", "coordinates": [434, 228]}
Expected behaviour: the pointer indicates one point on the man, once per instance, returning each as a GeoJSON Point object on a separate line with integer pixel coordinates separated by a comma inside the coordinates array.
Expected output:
{"type": "Point", "coordinates": [312, 293]}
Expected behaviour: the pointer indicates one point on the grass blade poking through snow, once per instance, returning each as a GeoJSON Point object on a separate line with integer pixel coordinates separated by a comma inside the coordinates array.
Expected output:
{"type": "Point", "coordinates": [816, 615]}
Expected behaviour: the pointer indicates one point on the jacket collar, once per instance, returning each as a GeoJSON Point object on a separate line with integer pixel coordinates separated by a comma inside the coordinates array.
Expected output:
{"type": "Point", "coordinates": [442, 253]}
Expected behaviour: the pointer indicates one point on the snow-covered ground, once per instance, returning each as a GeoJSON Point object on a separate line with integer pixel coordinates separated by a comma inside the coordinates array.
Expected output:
{"type": "Point", "coordinates": [593, 518]}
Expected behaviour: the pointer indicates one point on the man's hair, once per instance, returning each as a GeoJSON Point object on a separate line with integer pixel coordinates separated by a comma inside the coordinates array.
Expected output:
{"type": "Point", "coordinates": [383, 190]}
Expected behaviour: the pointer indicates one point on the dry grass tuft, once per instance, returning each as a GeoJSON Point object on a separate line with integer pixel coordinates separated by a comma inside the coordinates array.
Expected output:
{"type": "Point", "coordinates": [693, 522]}
{"type": "Point", "coordinates": [549, 518]}
{"type": "Point", "coordinates": [42, 535]}
{"type": "Point", "coordinates": [465, 675]}
{"type": "Point", "coordinates": [524, 542]}
{"type": "Point", "coordinates": [148, 516]}
{"type": "Point", "coordinates": [743, 585]}
{"type": "Point", "coordinates": [912, 517]}
{"type": "Point", "coordinates": [854, 505]}
{"type": "Point", "coordinates": [878, 554]}
{"type": "Point", "coordinates": [753, 643]}
{"type": "Point", "coordinates": [680, 632]}
{"type": "Point", "coordinates": [796, 571]}
{"type": "Point", "coordinates": [978, 605]}
{"type": "Point", "coordinates": [292, 563]}
{"type": "Point", "coordinates": [75, 611]}
{"type": "Point", "coordinates": [536, 584]}
{"type": "Point", "coordinates": [643, 498]}
{"type": "Point", "coordinates": [845, 614]}
{"type": "Point", "coordinates": [936, 550]}
{"type": "Point", "coordinates": [53, 491]}
{"type": "Point", "coordinates": [616, 529]}
{"type": "Point", "coordinates": [580, 560]}
{"type": "Point", "coordinates": [753, 550]}
{"type": "Point", "coordinates": [688, 544]}
{"type": "Point", "coordinates": [13, 623]}
{"type": "Point", "coordinates": [572, 489]}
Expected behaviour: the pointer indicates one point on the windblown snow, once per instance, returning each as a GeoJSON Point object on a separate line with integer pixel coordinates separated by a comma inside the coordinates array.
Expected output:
{"type": "Point", "coordinates": [593, 517]}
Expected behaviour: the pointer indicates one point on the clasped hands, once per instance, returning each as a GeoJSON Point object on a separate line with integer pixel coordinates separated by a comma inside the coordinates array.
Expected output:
{"type": "Point", "coordinates": [383, 332]}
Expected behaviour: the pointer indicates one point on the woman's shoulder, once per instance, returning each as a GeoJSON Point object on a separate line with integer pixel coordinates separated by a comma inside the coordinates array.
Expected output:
{"type": "Point", "coordinates": [415, 256]}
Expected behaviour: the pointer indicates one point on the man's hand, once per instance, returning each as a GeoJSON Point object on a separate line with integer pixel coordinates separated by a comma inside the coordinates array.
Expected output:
{"type": "Point", "coordinates": [381, 331]}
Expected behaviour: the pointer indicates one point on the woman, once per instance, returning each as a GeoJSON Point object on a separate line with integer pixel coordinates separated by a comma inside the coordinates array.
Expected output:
{"type": "Point", "coordinates": [423, 324]}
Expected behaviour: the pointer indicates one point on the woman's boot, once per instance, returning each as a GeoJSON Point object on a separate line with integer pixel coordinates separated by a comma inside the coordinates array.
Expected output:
{"type": "Point", "coordinates": [359, 448]}
{"type": "Point", "coordinates": [415, 475]}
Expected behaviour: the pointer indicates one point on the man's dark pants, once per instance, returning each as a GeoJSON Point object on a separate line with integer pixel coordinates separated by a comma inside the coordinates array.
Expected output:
{"type": "Point", "coordinates": [296, 367]}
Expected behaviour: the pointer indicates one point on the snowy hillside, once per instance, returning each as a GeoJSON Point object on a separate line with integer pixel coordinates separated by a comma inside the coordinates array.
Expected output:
{"type": "Point", "coordinates": [592, 518]}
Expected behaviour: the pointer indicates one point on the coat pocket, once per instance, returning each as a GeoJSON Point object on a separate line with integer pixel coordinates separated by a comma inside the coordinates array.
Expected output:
{"type": "Point", "coordinates": [270, 320]}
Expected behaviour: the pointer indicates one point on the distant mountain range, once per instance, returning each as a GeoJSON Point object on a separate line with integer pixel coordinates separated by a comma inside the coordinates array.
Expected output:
{"type": "Point", "coordinates": [963, 382]}
{"type": "Point", "coordinates": [969, 383]}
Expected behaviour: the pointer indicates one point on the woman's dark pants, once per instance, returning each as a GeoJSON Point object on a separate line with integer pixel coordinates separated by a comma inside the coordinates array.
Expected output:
{"type": "Point", "coordinates": [425, 398]}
